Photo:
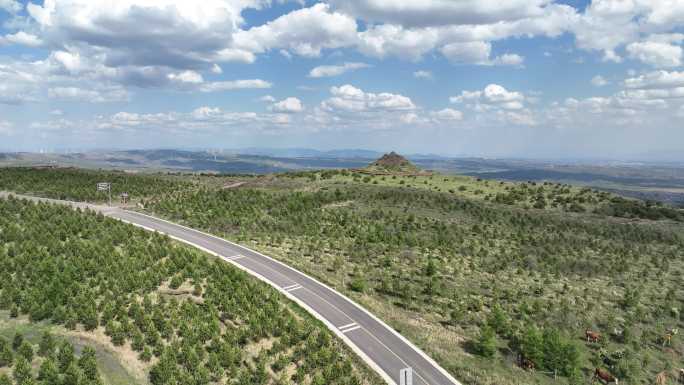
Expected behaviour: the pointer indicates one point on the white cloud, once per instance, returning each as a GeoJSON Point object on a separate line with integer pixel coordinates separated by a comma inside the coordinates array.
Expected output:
{"type": "Point", "coordinates": [599, 81]}
{"type": "Point", "coordinates": [607, 25]}
{"type": "Point", "coordinates": [349, 98]}
{"type": "Point", "coordinates": [657, 54]}
{"type": "Point", "coordinates": [305, 32]}
{"type": "Point", "coordinates": [288, 105]}
{"type": "Point", "coordinates": [441, 12]}
{"type": "Point", "coordinates": [335, 70]}
{"type": "Point", "coordinates": [234, 85]}
{"type": "Point", "coordinates": [493, 96]}
{"type": "Point", "coordinates": [57, 112]}
{"type": "Point", "coordinates": [6, 128]}
{"type": "Point", "coordinates": [170, 38]}
{"type": "Point", "coordinates": [447, 114]}
{"type": "Point", "coordinates": [479, 53]}
{"type": "Point", "coordinates": [267, 99]}
{"type": "Point", "coordinates": [105, 95]}
{"type": "Point", "coordinates": [191, 77]}
{"type": "Point", "coordinates": [21, 38]}
{"type": "Point", "coordinates": [11, 6]}
{"type": "Point", "coordinates": [423, 74]}
{"type": "Point", "coordinates": [216, 69]}
{"type": "Point", "coordinates": [392, 40]}
{"type": "Point", "coordinates": [656, 79]}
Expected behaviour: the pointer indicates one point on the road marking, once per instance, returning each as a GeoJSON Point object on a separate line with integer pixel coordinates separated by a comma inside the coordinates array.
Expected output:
{"type": "Point", "coordinates": [235, 257]}
{"type": "Point", "coordinates": [292, 288]}
{"type": "Point", "coordinates": [347, 326]}
{"type": "Point", "coordinates": [351, 329]}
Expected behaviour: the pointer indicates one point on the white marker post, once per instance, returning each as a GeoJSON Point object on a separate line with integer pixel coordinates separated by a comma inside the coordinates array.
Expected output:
{"type": "Point", "coordinates": [106, 186]}
{"type": "Point", "coordinates": [406, 376]}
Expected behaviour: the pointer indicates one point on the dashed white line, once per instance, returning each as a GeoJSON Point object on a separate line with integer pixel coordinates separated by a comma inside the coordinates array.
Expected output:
{"type": "Point", "coordinates": [347, 326]}
{"type": "Point", "coordinates": [235, 257]}
{"type": "Point", "coordinates": [351, 329]}
{"type": "Point", "coordinates": [292, 287]}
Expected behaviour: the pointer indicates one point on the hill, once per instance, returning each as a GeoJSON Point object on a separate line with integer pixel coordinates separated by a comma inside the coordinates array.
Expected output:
{"type": "Point", "coordinates": [393, 164]}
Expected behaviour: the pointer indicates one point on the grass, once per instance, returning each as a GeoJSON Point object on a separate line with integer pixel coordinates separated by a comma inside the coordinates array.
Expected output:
{"type": "Point", "coordinates": [555, 268]}
{"type": "Point", "coordinates": [109, 363]}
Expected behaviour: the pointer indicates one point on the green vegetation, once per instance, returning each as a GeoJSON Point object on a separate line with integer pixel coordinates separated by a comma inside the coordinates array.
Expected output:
{"type": "Point", "coordinates": [80, 185]}
{"type": "Point", "coordinates": [480, 274]}
{"type": "Point", "coordinates": [96, 276]}
{"type": "Point", "coordinates": [473, 279]}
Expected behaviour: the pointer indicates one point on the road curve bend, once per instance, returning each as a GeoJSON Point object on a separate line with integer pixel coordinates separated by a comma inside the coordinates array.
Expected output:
{"type": "Point", "coordinates": [380, 346]}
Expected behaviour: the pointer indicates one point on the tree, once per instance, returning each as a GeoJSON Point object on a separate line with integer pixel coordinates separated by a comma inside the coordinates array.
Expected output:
{"type": "Point", "coordinates": [5, 380]}
{"type": "Point", "coordinates": [73, 375]}
{"type": "Point", "coordinates": [48, 374]}
{"type": "Point", "coordinates": [17, 341]}
{"type": "Point", "coordinates": [47, 344]}
{"type": "Point", "coordinates": [6, 354]}
{"type": "Point", "coordinates": [88, 364]}
{"type": "Point", "coordinates": [65, 356]}
{"type": "Point", "coordinates": [486, 342]}
{"type": "Point", "coordinates": [498, 320]}
{"type": "Point", "coordinates": [22, 371]}
{"type": "Point", "coordinates": [26, 350]}
{"type": "Point", "coordinates": [532, 345]}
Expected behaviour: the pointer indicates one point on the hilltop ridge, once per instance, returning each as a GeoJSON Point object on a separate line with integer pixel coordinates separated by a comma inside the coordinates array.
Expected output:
{"type": "Point", "coordinates": [395, 164]}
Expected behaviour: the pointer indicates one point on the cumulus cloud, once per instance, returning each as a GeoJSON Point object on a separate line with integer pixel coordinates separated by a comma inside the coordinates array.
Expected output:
{"type": "Point", "coordinates": [21, 38]}
{"type": "Point", "coordinates": [348, 98]}
{"type": "Point", "coordinates": [105, 95]}
{"type": "Point", "coordinates": [423, 74]}
{"type": "Point", "coordinates": [496, 103]}
{"type": "Point", "coordinates": [6, 128]}
{"type": "Point", "coordinates": [289, 105]}
{"type": "Point", "coordinates": [447, 114]}
{"type": "Point", "coordinates": [493, 96]}
{"type": "Point", "coordinates": [305, 32]}
{"type": "Point", "coordinates": [599, 81]}
{"type": "Point", "coordinates": [11, 6]}
{"type": "Point", "coordinates": [335, 70]}
{"type": "Point", "coordinates": [170, 38]}
{"type": "Point", "coordinates": [440, 12]}
{"type": "Point", "coordinates": [234, 85]}
{"type": "Point", "coordinates": [659, 54]}
{"type": "Point", "coordinates": [656, 79]}
{"type": "Point", "coordinates": [607, 25]}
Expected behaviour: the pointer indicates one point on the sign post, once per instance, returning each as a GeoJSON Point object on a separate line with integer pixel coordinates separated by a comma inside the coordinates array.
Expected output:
{"type": "Point", "coordinates": [406, 376]}
{"type": "Point", "coordinates": [106, 186]}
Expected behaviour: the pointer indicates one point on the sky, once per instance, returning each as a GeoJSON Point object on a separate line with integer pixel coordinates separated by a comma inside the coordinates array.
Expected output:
{"type": "Point", "coordinates": [516, 78]}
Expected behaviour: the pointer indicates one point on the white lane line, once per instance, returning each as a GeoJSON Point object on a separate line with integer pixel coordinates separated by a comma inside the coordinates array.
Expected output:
{"type": "Point", "coordinates": [347, 326]}
{"type": "Point", "coordinates": [290, 287]}
{"type": "Point", "coordinates": [351, 329]}
{"type": "Point", "coordinates": [372, 336]}
{"type": "Point", "coordinates": [293, 288]}
{"type": "Point", "coordinates": [235, 257]}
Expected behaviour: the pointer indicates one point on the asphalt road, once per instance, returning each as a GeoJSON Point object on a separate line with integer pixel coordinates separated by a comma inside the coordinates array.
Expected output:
{"type": "Point", "coordinates": [386, 351]}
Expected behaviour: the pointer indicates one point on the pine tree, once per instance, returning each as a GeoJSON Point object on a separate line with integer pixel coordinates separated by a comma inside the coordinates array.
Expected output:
{"type": "Point", "coordinates": [88, 364]}
{"type": "Point", "coordinates": [22, 371]}
{"type": "Point", "coordinates": [6, 353]}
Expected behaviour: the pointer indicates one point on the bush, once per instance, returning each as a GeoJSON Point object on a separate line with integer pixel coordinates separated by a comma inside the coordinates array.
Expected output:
{"type": "Point", "coordinates": [486, 343]}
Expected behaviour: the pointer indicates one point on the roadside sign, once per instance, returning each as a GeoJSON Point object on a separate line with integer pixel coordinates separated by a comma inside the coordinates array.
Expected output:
{"type": "Point", "coordinates": [406, 376]}
{"type": "Point", "coordinates": [106, 186]}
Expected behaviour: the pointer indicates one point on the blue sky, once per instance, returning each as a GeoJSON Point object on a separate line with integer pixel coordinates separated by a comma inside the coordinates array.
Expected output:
{"type": "Point", "coordinates": [524, 78]}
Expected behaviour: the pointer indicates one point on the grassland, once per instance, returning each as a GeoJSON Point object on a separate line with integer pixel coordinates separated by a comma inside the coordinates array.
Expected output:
{"type": "Point", "coordinates": [168, 313]}
{"type": "Point", "coordinates": [475, 272]}
{"type": "Point", "coordinates": [443, 259]}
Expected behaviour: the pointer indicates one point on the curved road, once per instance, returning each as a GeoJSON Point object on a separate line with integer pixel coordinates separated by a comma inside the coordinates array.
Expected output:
{"type": "Point", "coordinates": [385, 350]}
